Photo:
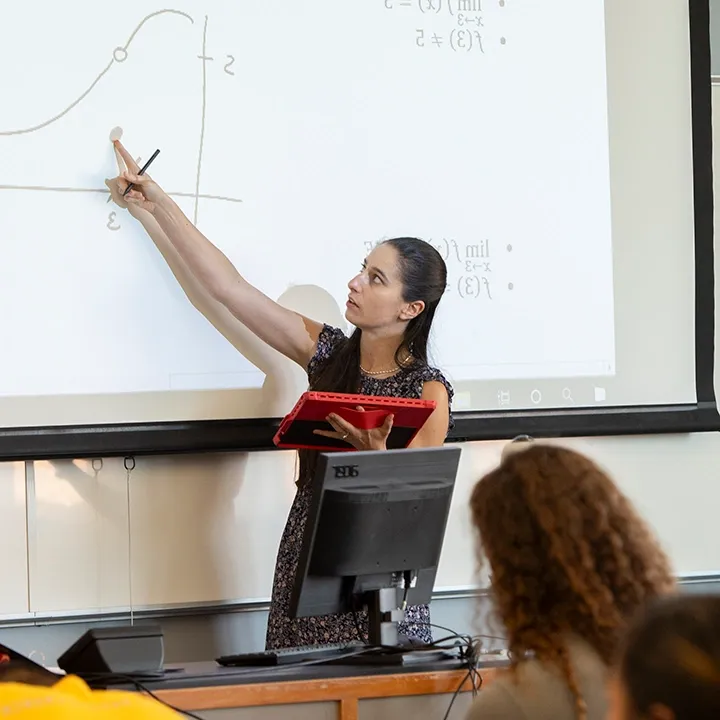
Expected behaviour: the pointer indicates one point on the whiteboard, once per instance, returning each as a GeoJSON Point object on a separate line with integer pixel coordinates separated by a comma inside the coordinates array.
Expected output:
{"type": "Point", "coordinates": [296, 136]}
{"type": "Point", "coordinates": [205, 530]}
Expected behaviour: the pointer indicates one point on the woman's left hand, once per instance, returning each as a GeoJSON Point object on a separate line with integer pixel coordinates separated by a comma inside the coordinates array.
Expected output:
{"type": "Point", "coordinates": [374, 439]}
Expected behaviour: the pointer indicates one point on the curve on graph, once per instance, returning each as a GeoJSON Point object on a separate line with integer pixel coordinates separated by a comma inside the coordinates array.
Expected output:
{"type": "Point", "coordinates": [115, 59]}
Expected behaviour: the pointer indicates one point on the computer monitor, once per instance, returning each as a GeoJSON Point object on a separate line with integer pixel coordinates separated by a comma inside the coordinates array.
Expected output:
{"type": "Point", "coordinates": [374, 534]}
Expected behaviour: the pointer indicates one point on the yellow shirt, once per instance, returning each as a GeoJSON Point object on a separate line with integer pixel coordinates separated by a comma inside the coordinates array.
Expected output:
{"type": "Point", "coordinates": [71, 699]}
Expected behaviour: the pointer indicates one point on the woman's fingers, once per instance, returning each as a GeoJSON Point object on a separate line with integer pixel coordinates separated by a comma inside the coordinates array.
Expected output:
{"type": "Point", "coordinates": [136, 179]}
{"type": "Point", "coordinates": [119, 160]}
{"type": "Point", "coordinates": [130, 163]}
{"type": "Point", "coordinates": [342, 430]}
{"type": "Point", "coordinates": [333, 434]}
{"type": "Point", "coordinates": [117, 187]}
{"type": "Point", "coordinates": [359, 439]}
{"type": "Point", "coordinates": [134, 196]}
{"type": "Point", "coordinates": [342, 426]}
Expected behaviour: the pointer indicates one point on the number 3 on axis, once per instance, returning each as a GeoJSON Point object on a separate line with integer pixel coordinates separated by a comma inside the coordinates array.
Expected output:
{"type": "Point", "coordinates": [112, 223]}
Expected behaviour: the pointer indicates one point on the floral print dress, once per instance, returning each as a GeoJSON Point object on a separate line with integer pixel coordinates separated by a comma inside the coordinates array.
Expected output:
{"type": "Point", "coordinates": [284, 631]}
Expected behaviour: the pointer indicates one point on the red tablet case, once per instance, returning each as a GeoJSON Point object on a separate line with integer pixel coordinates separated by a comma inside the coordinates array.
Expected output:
{"type": "Point", "coordinates": [310, 411]}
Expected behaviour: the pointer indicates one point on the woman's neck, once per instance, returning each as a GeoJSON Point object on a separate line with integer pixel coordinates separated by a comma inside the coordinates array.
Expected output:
{"type": "Point", "coordinates": [378, 353]}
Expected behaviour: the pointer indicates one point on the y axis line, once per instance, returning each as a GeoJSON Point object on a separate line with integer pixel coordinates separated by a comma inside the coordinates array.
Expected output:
{"type": "Point", "coordinates": [205, 60]}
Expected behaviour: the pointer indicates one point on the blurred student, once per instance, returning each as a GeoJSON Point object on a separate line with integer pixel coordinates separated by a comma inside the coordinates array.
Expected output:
{"type": "Point", "coordinates": [570, 563]}
{"type": "Point", "coordinates": [669, 667]}
{"type": "Point", "coordinates": [29, 692]}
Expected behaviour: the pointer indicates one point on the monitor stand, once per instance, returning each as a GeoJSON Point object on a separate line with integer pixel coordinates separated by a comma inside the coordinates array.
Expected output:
{"type": "Point", "coordinates": [385, 646]}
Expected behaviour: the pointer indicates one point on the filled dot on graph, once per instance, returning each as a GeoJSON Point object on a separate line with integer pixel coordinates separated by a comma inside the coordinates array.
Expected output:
{"type": "Point", "coordinates": [502, 3]}
{"type": "Point", "coordinates": [509, 248]}
{"type": "Point", "coordinates": [510, 286]}
{"type": "Point", "coordinates": [502, 40]}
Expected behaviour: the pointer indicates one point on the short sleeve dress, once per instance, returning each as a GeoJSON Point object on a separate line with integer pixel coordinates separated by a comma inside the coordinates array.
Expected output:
{"type": "Point", "coordinates": [284, 631]}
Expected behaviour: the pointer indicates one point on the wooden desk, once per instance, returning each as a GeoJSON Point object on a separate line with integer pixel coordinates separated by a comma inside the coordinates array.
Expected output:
{"type": "Point", "coordinates": [323, 693]}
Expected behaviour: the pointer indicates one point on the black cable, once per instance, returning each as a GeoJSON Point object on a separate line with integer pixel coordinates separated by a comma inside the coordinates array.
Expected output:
{"type": "Point", "coordinates": [407, 581]}
{"type": "Point", "coordinates": [470, 655]}
{"type": "Point", "coordinates": [465, 644]}
{"type": "Point", "coordinates": [138, 685]}
{"type": "Point", "coordinates": [111, 678]}
{"type": "Point", "coordinates": [472, 674]}
{"type": "Point", "coordinates": [442, 627]}
{"type": "Point", "coordinates": [144, 689]}
{"type": "Point", "coordinates": [456, 693]}
{"type": "Point", "coordinates": [467, 653]}
{"type": "Point", "coordinates": [465, 647]}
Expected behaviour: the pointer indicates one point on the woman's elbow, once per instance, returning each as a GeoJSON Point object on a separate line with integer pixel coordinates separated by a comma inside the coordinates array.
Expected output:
{"type": "Point", "coordinates": [221, 291]}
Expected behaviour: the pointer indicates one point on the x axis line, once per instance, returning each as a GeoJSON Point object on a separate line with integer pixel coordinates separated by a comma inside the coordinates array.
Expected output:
{"type": "Point", "coordinates": [105, 191]}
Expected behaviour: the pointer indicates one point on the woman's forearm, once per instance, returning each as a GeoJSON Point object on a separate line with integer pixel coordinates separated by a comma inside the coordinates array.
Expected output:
{"type": "Point", "coordinates": [193, 289]}
{"type": "Point", "coordinates": [285, 331]}
{"type": "Point", "coordinates": [215, 312]}
{"type": "Point", "coordinates": [206, 262]}
{"type": "Point", "coordinates": [195, 292]}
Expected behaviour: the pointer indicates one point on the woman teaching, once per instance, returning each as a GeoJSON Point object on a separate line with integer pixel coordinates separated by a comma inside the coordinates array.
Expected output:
{"type": "Point", "coordinates": [391, 303]}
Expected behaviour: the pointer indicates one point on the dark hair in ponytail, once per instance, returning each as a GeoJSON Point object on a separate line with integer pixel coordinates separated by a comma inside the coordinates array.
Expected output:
{"type": "Point", "coordinates": [424, 277]}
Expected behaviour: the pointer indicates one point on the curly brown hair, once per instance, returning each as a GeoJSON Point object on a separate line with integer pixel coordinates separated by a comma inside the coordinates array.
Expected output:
{"type": "Point", "coordinates": [568, 554]}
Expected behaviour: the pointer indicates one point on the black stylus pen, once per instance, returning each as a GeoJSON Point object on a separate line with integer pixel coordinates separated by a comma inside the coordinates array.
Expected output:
{"type": "Point", "coordinates": [142, 171]}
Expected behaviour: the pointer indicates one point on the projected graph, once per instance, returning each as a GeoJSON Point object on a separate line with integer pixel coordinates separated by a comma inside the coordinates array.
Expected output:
{"type": "Point", "coordinates": [119, 56]}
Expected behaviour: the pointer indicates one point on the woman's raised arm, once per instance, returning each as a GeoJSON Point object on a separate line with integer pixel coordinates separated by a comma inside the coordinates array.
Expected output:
{"type": "Point", "coordinates": [288, 332]}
